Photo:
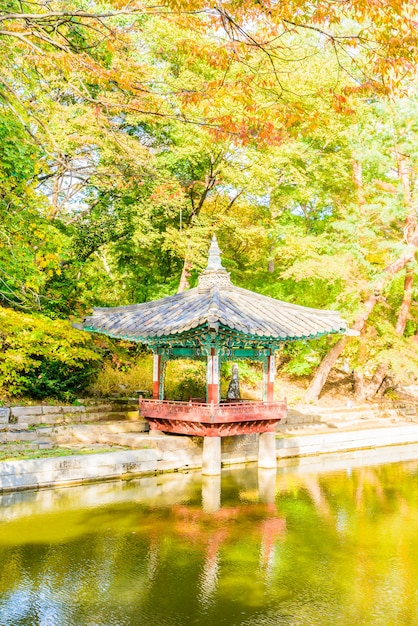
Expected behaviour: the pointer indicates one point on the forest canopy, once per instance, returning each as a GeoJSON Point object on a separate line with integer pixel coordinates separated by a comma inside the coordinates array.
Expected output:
{"type": "Point", "coordinates": [131, 132]}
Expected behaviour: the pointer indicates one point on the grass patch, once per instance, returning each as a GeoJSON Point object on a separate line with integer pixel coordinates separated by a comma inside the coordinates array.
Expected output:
{"type": "Point", "coordinates": [22, 452]}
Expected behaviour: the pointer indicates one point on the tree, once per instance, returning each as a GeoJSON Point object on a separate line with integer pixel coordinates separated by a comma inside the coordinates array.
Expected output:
{"type": "Point", "coordinates": [394, 127]}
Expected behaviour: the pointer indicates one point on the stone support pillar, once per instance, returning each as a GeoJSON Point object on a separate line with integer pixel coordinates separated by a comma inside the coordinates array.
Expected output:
{"type": "Point", "coordinates": [267, 450]}
{"type": "Point", "coordinates": [211, 457]}
{"type": "Point", "coordinates": [156, 378]}
{"type": "Point", "coordinates": [212, 377]}
{"type": "Point", "coordinates": [211, 493]}
{"type": "Point", "coordinates": [267, 485]}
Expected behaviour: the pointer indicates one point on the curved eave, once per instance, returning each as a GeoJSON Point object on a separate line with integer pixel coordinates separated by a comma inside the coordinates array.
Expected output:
{"type": "Point", "coordinates": [242, 336]}
{"type": "Point", "coordinates": [271, 339]}
{"type": "Point", "coordinates": [152, 338]}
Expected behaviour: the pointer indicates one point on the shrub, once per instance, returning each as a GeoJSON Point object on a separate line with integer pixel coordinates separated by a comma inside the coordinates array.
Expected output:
{"type": "Point", "coordinates": [124, 379]}
{"type": "Point", "coordinates": [40, 357]}
{"type": "Point", "coordinates": [185, 379]}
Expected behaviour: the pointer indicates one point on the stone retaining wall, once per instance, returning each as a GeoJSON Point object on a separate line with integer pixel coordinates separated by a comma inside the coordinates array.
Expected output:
{"type": "Point", "coordinates": [40, 423]}
{"type": "Point", "coordinates": [64, 414]}
{"type": "Point", "coordinates": [348, 440]}
{"type": "Point", "coordinates": [306, 415]}
{"type": "Point", "coordinates": [53, 472]}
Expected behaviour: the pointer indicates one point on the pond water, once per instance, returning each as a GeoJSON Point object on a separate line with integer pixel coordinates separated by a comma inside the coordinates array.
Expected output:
{"type": "Point", "coordinates": [326, 544]}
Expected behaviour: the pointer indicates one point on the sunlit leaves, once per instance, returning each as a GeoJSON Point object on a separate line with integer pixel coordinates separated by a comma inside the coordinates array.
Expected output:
{"type": "Point", "coordinates": [40, 358]}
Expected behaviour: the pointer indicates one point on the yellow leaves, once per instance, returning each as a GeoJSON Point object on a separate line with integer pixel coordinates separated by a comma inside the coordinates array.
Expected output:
{"type": "Point", "coordinates": [321, 267]}
{"type": "Point", "coordinates": [47, 261]}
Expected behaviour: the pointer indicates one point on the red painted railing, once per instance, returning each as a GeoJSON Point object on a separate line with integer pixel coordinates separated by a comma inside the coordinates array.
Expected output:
{"type": "Point", "coordinates": [212, 414]}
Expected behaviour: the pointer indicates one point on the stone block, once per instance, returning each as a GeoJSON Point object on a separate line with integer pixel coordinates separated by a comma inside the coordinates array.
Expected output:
{"type": "Point", "coordinates": [18, 427]}
{"type": "Point", "coordinates": [44, 431]}
{"type": "Point", "coordinates": [95, 408]}
{"type": "Point", "coordinates": [105, 416]}
{"type": "Point", "coordinates": [21, 411]}
{"type": "Point", "coordinates": [73, 409]}
{"type": "Point", "coordinates": [71, 418]}
{"type": "Point", "coordinates": [52, 418]}
{"type": "Point", "coordinates": [44, 445]}
{"type": "Point", "coordinates": [51, 409]}
{"type": "Point", "coordinates": [4, 415]}
{"type": "Point", "coordinates": [94, 416]}
{"type": "Point", "coordinates": [29, 420]}
{"type": "Point", "coordinates": [84, 418]}
{"type": "Point", "coordinates": [11, 437]}
{"type": "Point", "coordinates": [132, 415]}
{"type": "Point", "coordinates": [286, 452]}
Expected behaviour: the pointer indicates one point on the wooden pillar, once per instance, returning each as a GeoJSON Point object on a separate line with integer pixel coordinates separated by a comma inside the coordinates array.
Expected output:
{"type": "Point", "coordinates": [156, 378]}
{"type": "Point", "coordinates": [271, 371]}
{"type": "Point", "coordinates": [212, 377]}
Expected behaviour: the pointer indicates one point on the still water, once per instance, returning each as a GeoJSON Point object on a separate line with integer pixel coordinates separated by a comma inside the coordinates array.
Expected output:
{"type": "Point", "coordinates": [333, 544]}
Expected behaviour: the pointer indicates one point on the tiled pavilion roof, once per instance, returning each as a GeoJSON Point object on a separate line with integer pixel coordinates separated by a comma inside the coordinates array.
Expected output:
{"type": "Point", "coordinates": [215, 305]}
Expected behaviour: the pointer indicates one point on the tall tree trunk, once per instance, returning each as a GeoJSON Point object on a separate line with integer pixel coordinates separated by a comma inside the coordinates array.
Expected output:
{"type": "Point", "coordinates": [358, 181]}
{"type": "Point", "coordinates": [321, 374]}
{"type": "Point", "coordinates": [406, 302]}
{"type": "Point", "coordinates": [377, 383]}
{"type": "Point", "coordinates": [185, 275]}
{"type": "Point", "coordinates": [380, 374]}
{"type": "Point", "coordinates": [359, 389]}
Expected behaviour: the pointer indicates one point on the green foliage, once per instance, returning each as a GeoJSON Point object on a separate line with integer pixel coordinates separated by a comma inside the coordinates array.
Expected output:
{"type": "Point", "coordinates": [301, 358]}
{"type": "Point", "coordinates": [43, 358]}
{"type": "Point", "coordinates": [185, 380]}
{"type": "Point", "coordinates": [122, 376]}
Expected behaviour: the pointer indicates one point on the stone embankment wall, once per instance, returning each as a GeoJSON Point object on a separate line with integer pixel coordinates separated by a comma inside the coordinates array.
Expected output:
{"type": "Point", "coordinates": [39, 425]}
{"type": "Point", "coordinates": [339, 416]}
{"type": "Point", "coordinates": [323, 443]}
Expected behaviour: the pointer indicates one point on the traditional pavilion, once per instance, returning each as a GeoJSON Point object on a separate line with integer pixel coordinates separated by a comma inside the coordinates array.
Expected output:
{"type": "Point", "coordinates": [215, 322]}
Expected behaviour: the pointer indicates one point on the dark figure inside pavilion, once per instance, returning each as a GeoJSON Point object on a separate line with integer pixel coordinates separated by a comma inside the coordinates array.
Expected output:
{"type": "Point", "coordinates": [233, 392]}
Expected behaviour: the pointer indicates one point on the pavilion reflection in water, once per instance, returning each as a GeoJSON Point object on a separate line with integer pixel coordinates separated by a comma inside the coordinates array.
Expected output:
{"type": "Point", "coordinates": [215, 322]}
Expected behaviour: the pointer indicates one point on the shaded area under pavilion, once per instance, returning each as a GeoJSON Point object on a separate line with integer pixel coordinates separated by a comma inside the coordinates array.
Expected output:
{"type": "Point", "coordinates": [215, 322]}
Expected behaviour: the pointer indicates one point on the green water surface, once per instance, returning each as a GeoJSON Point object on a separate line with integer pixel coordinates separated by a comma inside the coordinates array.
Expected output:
{"type": "Point", "coordinates": [300, 547]}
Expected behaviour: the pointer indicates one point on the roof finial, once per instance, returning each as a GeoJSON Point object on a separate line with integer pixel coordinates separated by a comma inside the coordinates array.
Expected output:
{"type": "Point", "coordinates": [215, 273]}
{"type": "Point", "coordinates": [214, 260]}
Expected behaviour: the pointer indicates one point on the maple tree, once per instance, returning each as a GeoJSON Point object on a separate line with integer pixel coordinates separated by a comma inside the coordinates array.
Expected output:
{"type": "Point", "coordinates": [249, 49]}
